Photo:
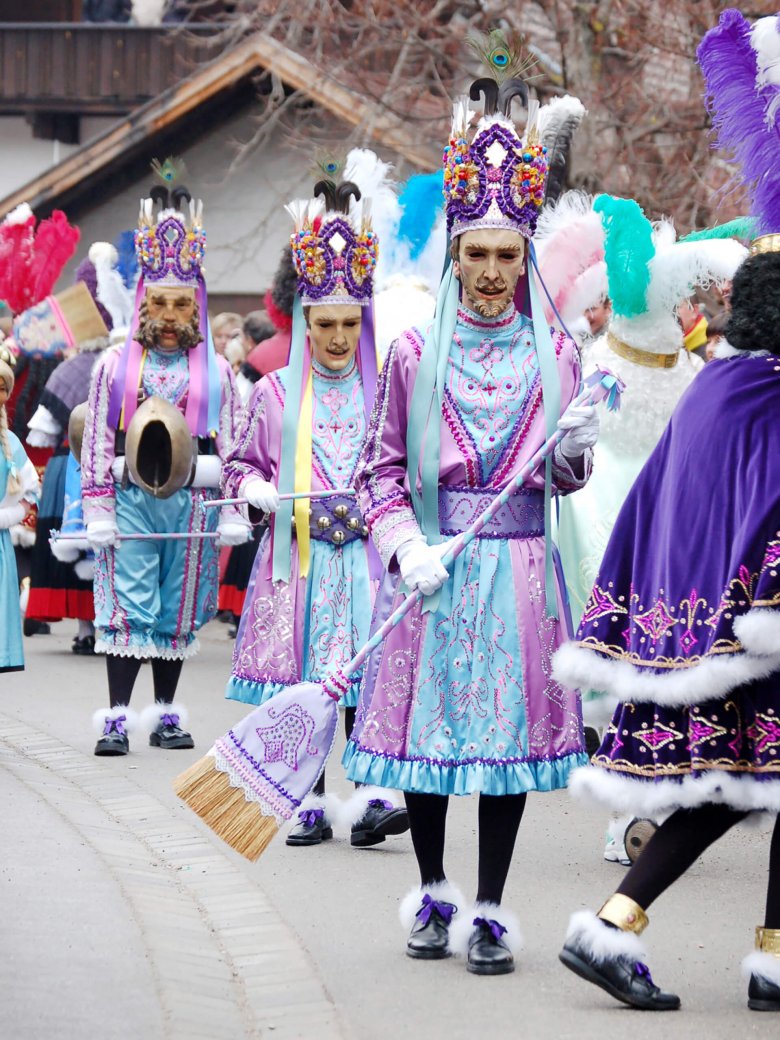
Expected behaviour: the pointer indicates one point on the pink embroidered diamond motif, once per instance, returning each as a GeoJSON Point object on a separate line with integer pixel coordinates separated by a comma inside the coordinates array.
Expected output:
{"type": "Point", "coordinates": [599, 605]}
{"type": "Point", "coordinates": [701, 731]}
{"type": "Point", "coordinates": [656, 622]}
{"type": "Point", "coordinates": [283, 741]}
{"type": "Point", "coordinates": [657, 737]}
{"type": "Point", "coordinates": [688, 641]}
{"type": "Point", "coordinates": [765, 732]}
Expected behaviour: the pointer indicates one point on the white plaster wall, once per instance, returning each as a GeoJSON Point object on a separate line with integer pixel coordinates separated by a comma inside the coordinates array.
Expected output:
{"type": "Point", "coordinates": [24, 157]}
{"type": "Point", "coordinates": [246, 225]}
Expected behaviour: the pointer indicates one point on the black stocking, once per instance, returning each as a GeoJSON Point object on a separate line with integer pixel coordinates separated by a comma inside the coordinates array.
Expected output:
{"type": "Point", "coordinates": [427, 822]}
{"type": "Point", "coordinates": [165, 675]}
{"type": "Point", "coordinates": [674, 847]}
{"type": "Point", "coordinates": [122, 673]}
{"type": "Point", "coordinates": [349, 722]}
{"type": "Point", "coordinates": [772, 918]}
{"type": "Point", "coordinates": [499, 820]}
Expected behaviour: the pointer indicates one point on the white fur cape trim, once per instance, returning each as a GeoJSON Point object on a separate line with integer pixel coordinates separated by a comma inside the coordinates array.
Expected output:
{"type": "Point", "coordinates": [352, 810]}
{"type": "Point", "coordinates": [765, 965]}
{"type": "Point", "coordinates": [442, 891]}
{"type": "Point", "coordinates": [99, 718]}
{"type": "Point", "coordinates": [152, 714]}
{"type": "Point", "coordinates": [462, 927]}
{"type": "Point", "coordinates": [600, 941]}
{"type": "Point", "coordinates": [654, 797]}
{"type": "Point", "coordinates": [575, 665]}
{"type": "Point", "coordinates": [725, 350]}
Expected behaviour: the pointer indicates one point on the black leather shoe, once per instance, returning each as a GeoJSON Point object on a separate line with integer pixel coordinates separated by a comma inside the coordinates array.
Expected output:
{"type": "Point", "coordinates": [488, 953]}
{"type": "Point", "coordinates": [763, 995]}
{"type": "Point", "coordinates": [36, 628]}
{"type": "Point", "coordinates": [429, 938]}
{"type": "Point", "coordinates": [114, 738]}
{"type": "Point", "coordinates": [624, 979]}
{"type": "Point", "coordinates": [84, 647]}
{"type": "Point", "coordinates": [169, 735]}
{"type": "Point", "coordinates": [313, 828]}
{"type": "Point", "coordinates": [380, 819]}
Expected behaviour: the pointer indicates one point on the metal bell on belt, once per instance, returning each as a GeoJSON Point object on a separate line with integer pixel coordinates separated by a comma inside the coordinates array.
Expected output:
{"type": "Point", "coordinates": [159, 448]}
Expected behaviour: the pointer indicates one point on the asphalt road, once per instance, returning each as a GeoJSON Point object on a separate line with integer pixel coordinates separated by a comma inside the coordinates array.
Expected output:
{"type": "Point", "coordinates": [123, 918]}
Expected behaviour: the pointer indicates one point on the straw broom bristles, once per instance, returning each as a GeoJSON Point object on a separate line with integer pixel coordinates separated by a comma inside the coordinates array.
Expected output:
{"type": "Point", "coordinates": [239, 823]}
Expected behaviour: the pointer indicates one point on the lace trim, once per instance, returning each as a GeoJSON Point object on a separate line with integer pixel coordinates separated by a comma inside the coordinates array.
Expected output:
{"type": "Point", "coordinates": [250, 794]}
{"type": "Point", "coordinates": [141, 651]}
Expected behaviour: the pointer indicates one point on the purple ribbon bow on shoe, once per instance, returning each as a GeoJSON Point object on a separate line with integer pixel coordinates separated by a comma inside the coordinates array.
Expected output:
{"type": "Point", "coordinates": [445, 910]}
{"type": "Point", "coordinates": [380, 803]}
{"type": "Point", "coordinates": [643, 972]}
{"type": "Point", "coordinates": [311, 817]}
{"type": "Point", "coordinates": [169, 720]}
{"type": "Point", "coordinates": [115, 726]}
{"type": "Point", "coordinates": [496, 929]}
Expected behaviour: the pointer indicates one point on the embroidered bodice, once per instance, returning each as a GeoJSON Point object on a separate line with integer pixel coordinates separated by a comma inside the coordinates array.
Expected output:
{"type": "Point", "coordinates": [166, 374]}
{"type": "Point", "coordinates": [491, 372]}
{"type": "Point", "coordinates": [338, 421]}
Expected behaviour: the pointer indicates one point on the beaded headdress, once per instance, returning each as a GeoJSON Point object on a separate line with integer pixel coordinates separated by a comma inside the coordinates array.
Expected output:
{"type": "Point", "coordinates": [334, 253]}
{"type": "Point", "coordinates": [170, 247]}
{"type": "Point", "coordinates": [496, 180]}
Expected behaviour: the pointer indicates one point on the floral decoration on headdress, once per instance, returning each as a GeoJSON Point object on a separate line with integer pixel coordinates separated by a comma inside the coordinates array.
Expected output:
{"type": "Point", "coordinates": [170, 246]}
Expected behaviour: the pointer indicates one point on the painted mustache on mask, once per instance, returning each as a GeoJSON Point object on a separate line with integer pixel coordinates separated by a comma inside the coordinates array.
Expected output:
{"type": "Point", "coordinates": [497, 286]}
{"type": "Point", "coordinates": [187, 333]}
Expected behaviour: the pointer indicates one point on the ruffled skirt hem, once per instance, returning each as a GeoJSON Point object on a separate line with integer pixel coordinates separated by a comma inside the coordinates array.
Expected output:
{"type": "Point", "coordinates": [475, 777]}
{"type": "Point", "coordinates": [257, 693]}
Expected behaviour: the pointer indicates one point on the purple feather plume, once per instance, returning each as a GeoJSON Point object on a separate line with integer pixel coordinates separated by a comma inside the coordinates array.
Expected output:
{"type": "Point", "coordinates": [738, 109]}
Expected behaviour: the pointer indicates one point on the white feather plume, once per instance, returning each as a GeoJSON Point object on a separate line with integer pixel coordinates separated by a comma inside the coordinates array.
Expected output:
{"type": "Point", "coordinates": [569, 240]}
{"type": "Point", "coordinates": [111, 291]}
{"type": "Point", "coordinates": [298, 210]}
{"type": "Point", "coordinates": [462, 114]}
{"type": "Point", "coordinates": [533, 116]}
{"type": "Point", "coordinates": [378, 199]}
{"type": "Point", "coordinates": [20, 215]}
{"type": "Point", "coordinates": [557, 111]}
{"type": "Point", "coordinates": [765, 41]}
{"type": "Point", "coordinates": [676, 271]}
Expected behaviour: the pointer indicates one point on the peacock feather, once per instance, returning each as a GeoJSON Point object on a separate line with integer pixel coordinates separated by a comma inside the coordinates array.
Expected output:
{"type": "Point", "coordinates": [170, 171]}
{"type": "Point", "coordinates": [329, 166]}
{"type": "Point", "coordinates": [502, 54]}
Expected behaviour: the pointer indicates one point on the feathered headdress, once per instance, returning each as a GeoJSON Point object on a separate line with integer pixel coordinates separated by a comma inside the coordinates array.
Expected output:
{"type": "Point", "coordinates": [559, 119]}
{"type": "Point", "coordinates": [31, 261]}
{"type": "Point", "coordinates": [650, 273]}
{"type": "Point", "coordinates": [570, 245]}
{"type": "Point", "coordinates": [741, 68]}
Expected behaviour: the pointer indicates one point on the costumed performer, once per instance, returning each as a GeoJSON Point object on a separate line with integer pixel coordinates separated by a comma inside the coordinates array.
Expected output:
{"type": "Point", "coordinates": [460, 698]}
{"type": "Point", "coordinates": [153, 595]}
{"type": "Point", "coordinates": [309, 601]}
{"type": "Point", "coordinates": [19, 488]}
{"type": "Point", "coordinates": [683, 625]}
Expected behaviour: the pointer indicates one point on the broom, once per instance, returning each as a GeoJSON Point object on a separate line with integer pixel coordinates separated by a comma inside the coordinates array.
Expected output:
{"type": "Point", "coordinates": [259, 772]}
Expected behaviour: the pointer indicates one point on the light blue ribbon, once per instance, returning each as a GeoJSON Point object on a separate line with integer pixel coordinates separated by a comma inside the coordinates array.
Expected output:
{"type": "Point", "coordinates": [282, 553]}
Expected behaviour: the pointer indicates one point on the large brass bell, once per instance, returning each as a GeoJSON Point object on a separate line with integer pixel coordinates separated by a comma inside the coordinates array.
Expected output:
{"type": "Point", "coordinates": [159, 448]}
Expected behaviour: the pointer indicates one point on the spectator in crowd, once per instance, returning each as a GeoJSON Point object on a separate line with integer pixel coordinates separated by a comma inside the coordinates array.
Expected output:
{"type": "Point", "coordinates": [223, 327]}
{"type": "Point", "coordinates": [716, 332]}
{"type": "Point", "coordinates": [598, 316]}
{"type": "Point", "coordinates": [694, 326]}
{"type": "Point", "coordinates": [257, 328]}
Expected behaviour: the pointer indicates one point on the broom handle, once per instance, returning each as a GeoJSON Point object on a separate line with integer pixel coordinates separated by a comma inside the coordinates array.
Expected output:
{"type": "Point", "coordinates": [282, 498]}
{"type": "Point", "coordinates": [591, 395]}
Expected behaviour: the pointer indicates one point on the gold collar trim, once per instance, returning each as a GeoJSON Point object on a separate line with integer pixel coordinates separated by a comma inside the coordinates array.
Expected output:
{"type": "Point", "coordinates": [765, 244]}
{"type": "Point", "coordinates": [641, 357]}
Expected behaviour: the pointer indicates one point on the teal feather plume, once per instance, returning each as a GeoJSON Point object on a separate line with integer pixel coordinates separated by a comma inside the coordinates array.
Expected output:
{"type": "Point", "coordinates": [628, 250]}
{"type": "Point", "coordinates": [742, 228]}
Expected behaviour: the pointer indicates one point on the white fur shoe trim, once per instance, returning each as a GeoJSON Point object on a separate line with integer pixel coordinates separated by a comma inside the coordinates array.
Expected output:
{"type": "Point", "coordinates": [442, 891]}
{"type": "Point", "coordinates": [352, 810]}
{"type": "Point", "coordinates": [462, 928]}
{"type": "Point", "coordinates": [765, 965]}
{"type": "Point", "coordinates": [655, 797]}
{"type": "Point", "coordinates": [100, 716]}
{"type": "Point", "coordinates": [600, 941]}
{"type": "Point", "coordinates": [329, 803]}
{"type": "Point", "coordinates": [152, 713]}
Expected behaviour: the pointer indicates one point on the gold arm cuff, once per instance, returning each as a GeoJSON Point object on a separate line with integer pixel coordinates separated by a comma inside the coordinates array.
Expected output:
{"type": "Point", "coordinates": [625, 914]}
{"type": "Point", "coordinates": [768, 940]}
{"type": "Point", "coordinates": [765, 244]}
{"type": "Point", "coordinates": [641, 357]}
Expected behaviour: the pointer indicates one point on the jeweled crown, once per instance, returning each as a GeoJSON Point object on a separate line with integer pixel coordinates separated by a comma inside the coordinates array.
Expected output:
{"type": "Point", "coordinates": [169, 245]}
{"type": "Point", "coordinates": [498, 179]}
{"type": "Point", "coordinates": [334, 250]}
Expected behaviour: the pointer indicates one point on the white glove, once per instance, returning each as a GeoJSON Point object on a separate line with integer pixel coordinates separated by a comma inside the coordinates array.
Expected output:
{"type": "Point", "coordinates": [85, 569]}
{"type": "Point", "coordinates": [581, 423]}
{"type": "Point", "coordinates": [261, 494]}
{"type": "Point", "coordinates": [66, 550]}
{"type": "Point", "coordinates": [102, 533]}
{"type": "Point", "coordinates": [233, 533]}
{"type": "Point", "coordinates": [10, 515]}
{"type": "Point", "coordinates": [420, 565]}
